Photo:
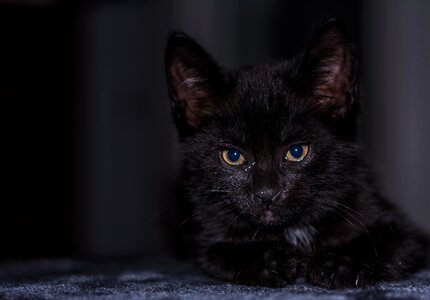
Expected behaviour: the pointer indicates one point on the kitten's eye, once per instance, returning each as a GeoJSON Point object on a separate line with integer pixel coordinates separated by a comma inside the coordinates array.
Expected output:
{"type": "Point", "coordinates": [233, 157]}
{"type": "Point", "coordinates": [297, 152]}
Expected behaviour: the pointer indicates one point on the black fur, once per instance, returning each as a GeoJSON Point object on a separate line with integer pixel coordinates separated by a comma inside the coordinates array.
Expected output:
{"type": "Point", "coordinates": [329, 224]}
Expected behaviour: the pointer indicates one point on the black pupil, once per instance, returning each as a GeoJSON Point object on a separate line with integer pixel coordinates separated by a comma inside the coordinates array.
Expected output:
{"type": "Point", "coordinates": [233, 155]}
{"type": "Point", "coordinates": [296, 151]}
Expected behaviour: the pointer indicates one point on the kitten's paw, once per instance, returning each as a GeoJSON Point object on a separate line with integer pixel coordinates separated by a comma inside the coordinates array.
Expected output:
{"type": "Point", "coordinates": [275, 270]}
{"type": "Point", "coordinates": [287, 265]}
{"type": "Point", "coordinates": [337, 272]}
{"type": "Point", "coordinates": [262, 277]}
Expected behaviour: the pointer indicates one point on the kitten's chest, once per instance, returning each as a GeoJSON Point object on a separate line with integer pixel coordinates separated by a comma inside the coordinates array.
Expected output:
{"type": "Point", "coordinates": [301, 238]}
{"type": "Point", "coordinates": [219, 233]}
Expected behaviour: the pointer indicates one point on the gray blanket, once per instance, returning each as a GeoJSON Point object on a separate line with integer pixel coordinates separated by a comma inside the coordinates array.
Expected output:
{"type": "Point", "coordinates": [165, 278]}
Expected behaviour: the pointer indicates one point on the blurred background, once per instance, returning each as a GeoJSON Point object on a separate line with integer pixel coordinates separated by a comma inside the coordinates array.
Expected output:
{"type": "Point", "coordinates": [90, 155]}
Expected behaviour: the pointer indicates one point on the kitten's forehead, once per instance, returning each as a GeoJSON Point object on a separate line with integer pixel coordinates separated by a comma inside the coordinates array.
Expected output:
{"type": "Point", "coordinates": [261, 85]}
{"type": "Point", "coordinates": [264, 106]}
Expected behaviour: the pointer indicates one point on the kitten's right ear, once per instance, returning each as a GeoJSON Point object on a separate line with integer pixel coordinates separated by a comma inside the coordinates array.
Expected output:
{"type": "Point", "coordinates": [330, 71]}
{"type": "Point", "coordinates": [196, 83]}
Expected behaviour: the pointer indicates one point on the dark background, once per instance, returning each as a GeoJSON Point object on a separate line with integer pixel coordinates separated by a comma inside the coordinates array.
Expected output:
{"type": "Point", "coordinates": [89, 152]}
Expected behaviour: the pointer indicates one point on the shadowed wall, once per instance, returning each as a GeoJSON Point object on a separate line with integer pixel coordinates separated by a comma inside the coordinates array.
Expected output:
{"type": "Point", "coordinates": [92, 155]}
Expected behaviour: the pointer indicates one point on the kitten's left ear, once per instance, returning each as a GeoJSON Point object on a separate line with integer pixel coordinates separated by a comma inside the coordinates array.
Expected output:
{"type": "Point", "coordinates": [330, 70]}
{"type": "Point", "coordinates": [196, 83]}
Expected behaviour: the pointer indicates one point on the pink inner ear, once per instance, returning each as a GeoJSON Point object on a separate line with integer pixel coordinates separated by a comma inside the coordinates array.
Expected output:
{"type": "Point", "coordinates": [332, 79]}
{"type": "Point", "coordinates": [191, 93]}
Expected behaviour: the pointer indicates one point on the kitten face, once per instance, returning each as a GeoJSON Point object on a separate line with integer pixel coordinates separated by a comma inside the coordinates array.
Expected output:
{"type": "Point", "coordinates": [264, 135]}
{"type": "Point", "coordinates": [259, 117]}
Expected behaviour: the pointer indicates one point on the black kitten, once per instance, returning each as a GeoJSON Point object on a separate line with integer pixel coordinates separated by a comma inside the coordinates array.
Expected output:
{"type": "Point", "coordinates": [276, 172]}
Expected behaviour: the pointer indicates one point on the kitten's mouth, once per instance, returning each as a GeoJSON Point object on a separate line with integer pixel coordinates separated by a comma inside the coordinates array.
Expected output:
{"type": "Point", "coordinates": [267, 216]}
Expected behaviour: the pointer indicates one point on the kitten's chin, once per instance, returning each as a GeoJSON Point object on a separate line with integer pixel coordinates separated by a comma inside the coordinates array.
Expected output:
{"type": "Point", "coordinates": [268, 218]}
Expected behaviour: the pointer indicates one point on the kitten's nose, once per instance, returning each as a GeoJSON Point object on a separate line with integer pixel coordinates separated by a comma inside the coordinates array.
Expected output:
{"type": "Point", "coordinates": [267, 196]}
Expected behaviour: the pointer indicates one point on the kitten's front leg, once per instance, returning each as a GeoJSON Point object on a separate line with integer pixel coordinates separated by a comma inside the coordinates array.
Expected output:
{"type": "Point", "coordinates": [340, 269]}
{"type": "Point", "coordinates": [383, 253]}
{"type": "Point", "coordinates": [251, 264]}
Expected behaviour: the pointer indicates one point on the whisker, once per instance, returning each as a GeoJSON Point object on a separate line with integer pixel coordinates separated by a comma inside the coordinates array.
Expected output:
{"type": "Point", "coordinates": [346, 219]}
{"type": "Point", "coordinates": [182, 224]}
{"type": "Point", "coordinates": [218, 191]}
{"type": "Point", "coordinates": [340, 208]}
{"type": "Point", "coordinates": [367, 230]}
{"type": "Point", "coordinates": [233, 220]}
{"type": "Point", "coordinates": [349, 208]}
{"type": "Point", "coordinates": [161, 211]}
{"type": "Point", "coordinates": [256, 232]}
{"type": "Point", "coordinates": [230, 223]}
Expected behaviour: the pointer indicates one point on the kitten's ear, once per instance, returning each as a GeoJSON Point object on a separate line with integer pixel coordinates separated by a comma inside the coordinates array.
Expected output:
{"type": "Point", "coordinates": [330, 69]}
{"type": "Point", "coordinates": [196, 83]}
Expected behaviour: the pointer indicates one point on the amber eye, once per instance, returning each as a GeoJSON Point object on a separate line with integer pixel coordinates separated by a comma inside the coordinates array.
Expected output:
{"type": "Point", "coordinates": [233, 157]}
{"type": "Point", "coordinates": [297, 152]}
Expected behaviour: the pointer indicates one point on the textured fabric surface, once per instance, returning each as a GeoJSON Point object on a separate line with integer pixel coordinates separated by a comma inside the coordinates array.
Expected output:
{"type": "Point", "coordinates": [167, 279]}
